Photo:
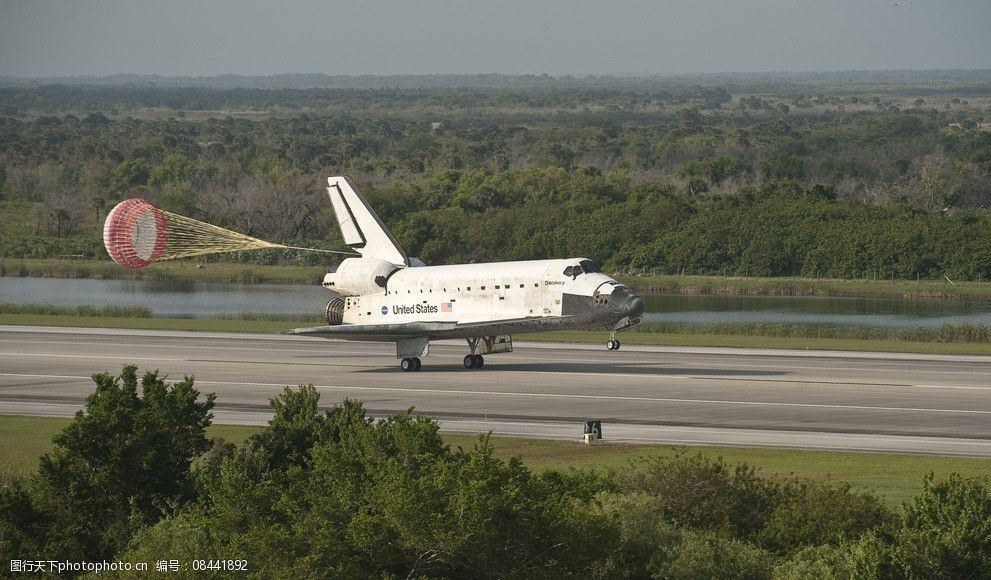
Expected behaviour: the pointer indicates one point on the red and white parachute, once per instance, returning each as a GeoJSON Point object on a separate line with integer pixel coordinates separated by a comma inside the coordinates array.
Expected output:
{"type": "Point", "coordinates": [137, 233]}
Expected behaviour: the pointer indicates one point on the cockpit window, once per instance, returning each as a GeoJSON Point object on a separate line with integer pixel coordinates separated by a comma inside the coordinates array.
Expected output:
{"type": "Point", "coordinates": [580, 268]}
{"type": "Point", "coordinates": [589, 266]}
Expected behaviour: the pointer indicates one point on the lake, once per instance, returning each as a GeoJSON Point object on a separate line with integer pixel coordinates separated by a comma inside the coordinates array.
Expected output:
{"type": "Point", "coordinates": [208, 299]}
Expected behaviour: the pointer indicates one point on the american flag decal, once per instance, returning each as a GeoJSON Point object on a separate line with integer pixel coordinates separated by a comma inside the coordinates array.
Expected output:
{"type": "Point", "coordinates": [447, 307]}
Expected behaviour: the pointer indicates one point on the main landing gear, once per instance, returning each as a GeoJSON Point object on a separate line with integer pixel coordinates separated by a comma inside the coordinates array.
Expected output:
{"type": "Point", "coordinates": [410, 364]}
{"type": "Point", "coordinates": [613, 344]}
{"type": "Point", "coordinates": [474, 361]}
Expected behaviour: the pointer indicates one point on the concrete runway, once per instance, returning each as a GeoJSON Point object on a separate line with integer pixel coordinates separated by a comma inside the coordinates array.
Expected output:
{"type": "Point", "coordinates": [802, 399]}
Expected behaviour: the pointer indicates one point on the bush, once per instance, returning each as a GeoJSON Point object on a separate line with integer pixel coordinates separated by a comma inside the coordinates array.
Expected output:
{"type": "Point", "coordinates": [814, 562]}
{"type": "Point", "coordinates": [701, 493]}
{"type": "Point", "coordinates": [947, 529]}
{"type": "Point", "coordinates": [810, 513]}
{"type": "Point", "coordinates": [646, 537]}
{"type": "Point", "coordinates": [337, 494]}
{"type": "Point", "coordinates": [120, 464]}
{"type": "Point", "coordinates": [711, 555]}
{"type": "Point", "coordinates": [874, 557]}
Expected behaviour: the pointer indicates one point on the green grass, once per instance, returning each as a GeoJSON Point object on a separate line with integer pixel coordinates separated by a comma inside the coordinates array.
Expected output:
{"type": "Point", "coordinates": [895, 477]}
{"type": "Point", "coordinates": [952, 333]}
{"type": "Point", "coordinates": [807, 287]}
{"type": "Point", "coordinates": [79, 311]}
{"type": "Point", "coordinates": [203, 324]}
{"type": "Point", "coordinates": [23, 440]}
{"type": "Point", "coordinates": [249, 273]}
{"type": "Point", "coordinates": [183, 270]}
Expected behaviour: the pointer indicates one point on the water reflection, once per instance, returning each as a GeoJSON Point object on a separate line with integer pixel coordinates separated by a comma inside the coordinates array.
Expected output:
{"type": "Point", "coordinates": [206, 299]}
{"type": "Point", "coordinates": [171, 286]}
{"type": "Point", "coordinates": [168, 298]}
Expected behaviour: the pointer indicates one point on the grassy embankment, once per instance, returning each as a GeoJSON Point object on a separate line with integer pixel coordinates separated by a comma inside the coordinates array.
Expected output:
{"type": "Point", "coordinates": [896, 477]}
{"type": "Point", "coordinates": [960, 339]}
{"type": "Point", "coordinates": [250, 273]}
{"type": "Point", "coordinates": [180, 270]}
{"type": "Point", "coordinates": [881, 288]}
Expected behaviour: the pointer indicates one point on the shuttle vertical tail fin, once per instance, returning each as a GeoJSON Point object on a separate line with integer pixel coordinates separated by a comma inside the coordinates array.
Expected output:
{"type": "Point", "coordinates": [361, 227]}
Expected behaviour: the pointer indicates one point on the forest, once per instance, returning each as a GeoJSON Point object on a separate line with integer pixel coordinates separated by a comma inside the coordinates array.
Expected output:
{"type": "Point", "coordinates": [334, 493]}
{"type": "Point", "coordinates": [835, 177]}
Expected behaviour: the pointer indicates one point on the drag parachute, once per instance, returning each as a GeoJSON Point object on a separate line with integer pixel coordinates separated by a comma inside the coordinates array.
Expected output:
{"type": "Point", "coordinates": [137, 233]}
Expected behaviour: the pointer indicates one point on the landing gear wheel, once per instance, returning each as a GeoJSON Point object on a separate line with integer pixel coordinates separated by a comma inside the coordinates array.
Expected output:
{"type": "Point", "coordinates": [469, 361]}
{"type": "Point", "coordinates": [416, 364]}
{"type": "Point", "coordinates": [407, 365]}
{"type": "Point", "coordinates": [615, 347]}
{"type": "Point", "coordinates": [479, 361]}
{"type": "Point", "coordinates": [611, 345]}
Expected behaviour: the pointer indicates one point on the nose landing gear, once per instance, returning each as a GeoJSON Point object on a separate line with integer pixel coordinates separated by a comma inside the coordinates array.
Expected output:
{"type": "Point", "coordinates": [410, 364]}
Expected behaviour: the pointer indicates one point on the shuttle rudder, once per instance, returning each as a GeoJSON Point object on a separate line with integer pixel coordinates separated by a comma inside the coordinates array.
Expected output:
{"type": "Point", "coordinates": [361, 227]}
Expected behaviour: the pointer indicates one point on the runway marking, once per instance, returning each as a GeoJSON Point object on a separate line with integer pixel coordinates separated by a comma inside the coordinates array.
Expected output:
{"type": "Point", "coordinates": [891, 368]}
{"type": "Point", "coordinates": [570, 373]}
{"type": "Point", "coordinates": [569, 396]}
{"type": "Point", "coordinates": [161, 345]}
{"type": "Point", "coordinates": [657, 375]}
{"type": "Point", "coordinates": [21, 354]}
{"type": "Point", "coordinates": [798, 368]}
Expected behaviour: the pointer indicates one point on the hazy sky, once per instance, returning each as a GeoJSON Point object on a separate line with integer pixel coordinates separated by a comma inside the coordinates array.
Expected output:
{"type": "Point", "coordinates": [204, 37]}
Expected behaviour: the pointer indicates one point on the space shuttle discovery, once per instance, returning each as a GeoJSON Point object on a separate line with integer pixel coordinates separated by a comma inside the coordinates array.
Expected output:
{"type": "Point", "coordinates": [386, 296]}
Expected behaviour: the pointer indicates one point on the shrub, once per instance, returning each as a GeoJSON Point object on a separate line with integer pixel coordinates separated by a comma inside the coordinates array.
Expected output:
{"type": "Point", "coordinates": [701, 493]}
{"type": "Point", "coordinates": [947, 530]}
{"type": "Point", "coordinates": [711, 555]}
{"type": "Point", "coordinates": [812, 513]}
{"type": "Point", "coordinates": [818, 562]}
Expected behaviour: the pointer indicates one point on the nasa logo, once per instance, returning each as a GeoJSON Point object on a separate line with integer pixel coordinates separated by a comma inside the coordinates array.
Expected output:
{"type": "Point", "coordinates": [385, 310]}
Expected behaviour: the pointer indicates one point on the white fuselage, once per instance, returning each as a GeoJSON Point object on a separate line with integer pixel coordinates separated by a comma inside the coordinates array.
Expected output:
{"type": "Point", "coordinates": [472, 292]}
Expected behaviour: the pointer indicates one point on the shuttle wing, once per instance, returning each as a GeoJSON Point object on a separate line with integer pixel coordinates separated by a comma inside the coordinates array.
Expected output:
{"type": "Point", "coordinates": [361, 227]}
{"type": "Point", "coordinates": [375, 331]}
{"type": "Point", "coordinates": [433, 330]}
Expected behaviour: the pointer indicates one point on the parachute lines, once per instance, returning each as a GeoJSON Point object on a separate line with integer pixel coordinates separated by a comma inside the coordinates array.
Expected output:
{"type": "Point", "coordinates": [136, 233]}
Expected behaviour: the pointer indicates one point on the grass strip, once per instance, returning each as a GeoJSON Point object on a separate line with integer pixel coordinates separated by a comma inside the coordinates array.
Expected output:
{"type": "Point", "coordinates": [78, 311]}
{"type": "Point", "coordinates": [236, 272]}
{"type": "Point", "coordinates": [200, 324]}
{"type": "Point", "coordinates": [880, 288]}
{"type": "Point", "coordinates": [895, 477]}
{"type": "Point", "coordinates": [180, 270]}
{"type": "Point", "coordinates": [957, 333]}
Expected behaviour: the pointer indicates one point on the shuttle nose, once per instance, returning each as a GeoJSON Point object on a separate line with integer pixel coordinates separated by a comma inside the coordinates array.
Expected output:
{"type": "Point", "coordinates": [637, 307]}
{"type": "Point", "coordinates": [628, 302]}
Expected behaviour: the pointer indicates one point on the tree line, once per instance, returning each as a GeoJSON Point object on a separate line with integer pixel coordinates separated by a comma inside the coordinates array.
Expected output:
{"type": "Point", "coordinates": [333, 493]}
{"type": "Point", "coordinates": [664, 179]}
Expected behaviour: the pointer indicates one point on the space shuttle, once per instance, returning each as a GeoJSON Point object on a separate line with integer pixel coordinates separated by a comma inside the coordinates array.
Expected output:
{"type": "Point", "coordinates": [386, 296]}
